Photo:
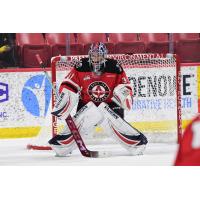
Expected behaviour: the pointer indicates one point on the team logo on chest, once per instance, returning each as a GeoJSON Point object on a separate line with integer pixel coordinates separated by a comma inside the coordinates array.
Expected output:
{"type": "Point", "coordinates": [98, 91]}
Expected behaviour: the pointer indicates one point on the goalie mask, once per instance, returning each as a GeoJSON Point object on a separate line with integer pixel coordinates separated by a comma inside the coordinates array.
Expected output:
{"type": "Point", "coordinates": [97, 55]}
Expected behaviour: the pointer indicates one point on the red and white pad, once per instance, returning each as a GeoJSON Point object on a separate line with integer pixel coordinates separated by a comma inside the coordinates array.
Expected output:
{"type": "Point", "coordinates": [65, 103]}
{"type": "Point", "coordinates": [122, 96]}
{"type": "Point", "coordinates": [121, 131]}
{"type": "Point", "coordinates": [88, 117]}
{"type": "Point", "coordinates": [85, 119]}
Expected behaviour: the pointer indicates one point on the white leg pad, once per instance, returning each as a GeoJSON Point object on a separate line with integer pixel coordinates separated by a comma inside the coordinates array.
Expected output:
{"type": "Point", "coordinates": [88, 117]}
{"type": "Point", "coordinates": [119, 128]}
{"type": "Point", "coordinates": [85, 119]}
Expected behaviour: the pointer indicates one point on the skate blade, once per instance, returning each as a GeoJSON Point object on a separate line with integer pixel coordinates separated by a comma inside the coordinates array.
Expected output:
{"type": "Point", "coordinates": [61, 151]}
{"type": "Point", "coordinates": [138, 150]}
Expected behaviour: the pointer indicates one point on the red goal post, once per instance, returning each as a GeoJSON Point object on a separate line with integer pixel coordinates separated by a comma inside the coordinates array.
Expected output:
{"type": "Point", "coordinates": [149, 74]}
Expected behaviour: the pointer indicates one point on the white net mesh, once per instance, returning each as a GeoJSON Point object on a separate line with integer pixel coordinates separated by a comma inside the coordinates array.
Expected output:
{"type": "Point", "coordinates": [127, 61]}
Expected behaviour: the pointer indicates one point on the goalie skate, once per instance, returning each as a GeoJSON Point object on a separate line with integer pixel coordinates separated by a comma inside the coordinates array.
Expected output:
{"type": "Point", "coordinates": [59, 144]}
{"type": "Point", "coordinates": [137, 150]}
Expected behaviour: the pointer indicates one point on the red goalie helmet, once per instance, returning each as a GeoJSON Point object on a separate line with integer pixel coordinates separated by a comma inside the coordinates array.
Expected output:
{"type": "Point", "coordinates": [97, 55]}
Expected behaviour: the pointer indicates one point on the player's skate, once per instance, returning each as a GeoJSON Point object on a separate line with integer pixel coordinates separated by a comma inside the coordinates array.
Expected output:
{"type": "Point", "coordinates": [136, 149]}
{"type": "Point", "coordinates": [63, 144]}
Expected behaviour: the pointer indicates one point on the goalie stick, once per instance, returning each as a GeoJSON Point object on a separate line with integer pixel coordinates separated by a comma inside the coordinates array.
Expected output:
{"type": "Point", "coordinates": [72, 126]}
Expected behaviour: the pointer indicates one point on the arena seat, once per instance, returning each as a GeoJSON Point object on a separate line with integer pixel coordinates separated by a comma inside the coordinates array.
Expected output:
{"type": "Point", "coordinates": [122, 37]}
{"type": "Point", "coordinates": [58, 43]}
{"type": "Point", "coordinates": [126, 43]}
{"type": "Point", "coordinates": [87, 38]}
{"type": "Point", "coordinates": [188, 50]}
{"type": "Point", "coordinates": [187, 46]}
{"type": "Point", "coordinates": [155, 42]}
{"type": "Point", "coordinates": [129, 47]}
{"type": "Point", "coordinates": [31, 44]}
{"type": "Point", "coordinates": [153, 37]}
{"type": "Point", "coordinates": [56, 38]}
{"type": "Point", "coordinates": [185, 36]}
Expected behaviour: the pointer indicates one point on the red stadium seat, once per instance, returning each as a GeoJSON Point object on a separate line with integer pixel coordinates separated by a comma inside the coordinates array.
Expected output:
{"type": "Point", "coordinates": [55, 38]}
{"type": "Point", "coordinates": [155, 42]}
{"type": "Point", "coordinates": [153, 37]}
{"type": "Point", "coordinates": [126, 43]}
{"type": "Point", "coordinates": [188, 50]}
{"type": "Point", "coordinates": [31, 44]}
{"type": "Point", "coordinates": [158, 47]}
{"type": "Point", "coordinates": [58, 42]}
{"type": "Point", "coordinates": [60, 49]}
{"type": "Point", "coordinates": [187, 46]}
{"type": "Point", "coordinates": [87, 38]}
{"type": "Point", "coordinates": [185, 36]}
{"type": "Point", "coordinates": [129, 47]}
{"type": "Point", "coordinates": [122, 37]}
{"type": "Point", "coordinates": [60, 38]}
{"type": "Point", "coordinates": [30, 38]}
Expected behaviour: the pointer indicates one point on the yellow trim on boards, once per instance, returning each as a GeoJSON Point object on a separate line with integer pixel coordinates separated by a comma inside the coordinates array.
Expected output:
{"type": "Point", "coordinates": [25, 132]}
{"type": "Point", "coordinates": [162, 126]}
{"type": "Point", "coordinates": [19, 132]}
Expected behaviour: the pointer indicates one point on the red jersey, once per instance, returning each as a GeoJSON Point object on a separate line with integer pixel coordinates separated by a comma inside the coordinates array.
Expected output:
{"type": "Point", "coordinates": [189, 149]}
{"type": "Point", "coordinates": [93, 87]}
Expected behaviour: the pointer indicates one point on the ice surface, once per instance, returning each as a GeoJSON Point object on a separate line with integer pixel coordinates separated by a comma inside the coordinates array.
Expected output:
{"type": "Point", "coordinates": [13, 152]}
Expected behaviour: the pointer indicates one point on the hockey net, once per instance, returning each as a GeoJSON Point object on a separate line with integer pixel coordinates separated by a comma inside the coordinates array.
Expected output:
{"type": "Point", "coordinates": [156, 81]}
